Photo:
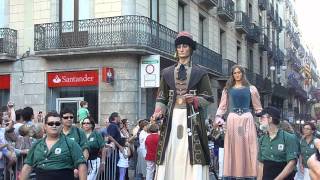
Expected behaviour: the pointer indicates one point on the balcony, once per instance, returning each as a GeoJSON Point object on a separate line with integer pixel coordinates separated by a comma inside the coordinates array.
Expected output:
{"type": "Point", "coordinates": [259, 82]}
{"type": "Point", "coordinates": [295, 86]}
{"type": "Point", "coordinates": [270, 12]}
{"type": "Point", "coordinates": [272, 53]}
{"type": "Point", "coordinates": [208, 3]}
{"type": "Point", "coordinates": [280, 56]}
{"type": "Point", "coordinates": [227, 67]}
{"type": "Point", "coordinates": [242, 22]}
{"type": "Point", "coordinates": [296, 40]}
{"type": "Point", "coordinates": [267, 88]}
{"type": "Point", "coordinates": [263, 4]}
{"type": "Point", "coordinates": [130, 34]}
{"type": "Point", "coordinates": [254, 33]}
{"type": "Point", "coordinates": [279, 91]}
{"type": "Point", "coordinates": [8, 44]}
{"type": "Point", "coordinates": [207, 58]}
{"type": "Point", "coordinates": [250, 76]}
{"type": "Point", "coordinates": [225, 10]}
{"type": "Point", "coordinates": [264, 42]}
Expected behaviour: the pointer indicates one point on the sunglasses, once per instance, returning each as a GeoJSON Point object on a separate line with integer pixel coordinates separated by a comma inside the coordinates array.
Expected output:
{"type": "Point", "coordinates": [86, 123]}
{"type": "Point", "coordinates": [67, 117]}
{"type": "Point", "coordinates": [56, 123]}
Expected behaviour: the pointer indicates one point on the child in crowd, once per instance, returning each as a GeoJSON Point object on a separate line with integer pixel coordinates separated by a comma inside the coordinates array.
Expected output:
{"type": "Point", "coordinates": [83, 112]}
{"type": "Point", "coordinates": [151, 146]}
{"type": "Point", "coordinates": [123, 162]}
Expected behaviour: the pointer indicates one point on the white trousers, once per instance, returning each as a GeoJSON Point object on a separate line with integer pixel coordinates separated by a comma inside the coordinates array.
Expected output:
{"type": "Point", "coordinates": [151, 167]}
{"type": "Point", "coordinates": [221, 154]}
{"type": "Point", "coordinates": [93, 168]}
{"type": "Point", "coordinates": [176, 165]}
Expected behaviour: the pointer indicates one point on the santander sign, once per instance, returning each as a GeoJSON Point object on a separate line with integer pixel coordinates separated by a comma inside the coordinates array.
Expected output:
{"type": "Point", "coordinates": [73, 78]}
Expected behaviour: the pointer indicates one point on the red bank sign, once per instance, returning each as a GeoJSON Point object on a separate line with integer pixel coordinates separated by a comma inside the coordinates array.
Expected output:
{"type": "Point", "coordinates": [73, 78]}
{"type": "Point", "coordinates": [5, 81]}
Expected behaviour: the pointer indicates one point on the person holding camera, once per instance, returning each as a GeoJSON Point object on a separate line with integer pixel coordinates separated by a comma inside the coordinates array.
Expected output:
{"type": "Point", "coordinates": [278, 150]}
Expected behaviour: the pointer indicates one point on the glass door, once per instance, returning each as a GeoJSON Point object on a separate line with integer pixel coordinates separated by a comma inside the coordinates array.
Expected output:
{"type": "Point", "coordinates": [70, 103]}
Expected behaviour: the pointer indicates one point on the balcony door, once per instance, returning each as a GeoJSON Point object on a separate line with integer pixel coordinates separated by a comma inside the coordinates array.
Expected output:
{"type": "Point", "coordinates": [73, 32]}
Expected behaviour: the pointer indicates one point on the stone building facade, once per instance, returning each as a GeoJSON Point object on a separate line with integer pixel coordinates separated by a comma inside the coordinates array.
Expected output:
{"type": "Point", "coordinates": [71, 38]}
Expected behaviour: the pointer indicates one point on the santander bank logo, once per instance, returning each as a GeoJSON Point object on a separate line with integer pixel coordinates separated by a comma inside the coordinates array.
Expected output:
{"type": "Point", "coordinates": [73, 78]}
{"type": "Point", "coordinates": [56, 80]}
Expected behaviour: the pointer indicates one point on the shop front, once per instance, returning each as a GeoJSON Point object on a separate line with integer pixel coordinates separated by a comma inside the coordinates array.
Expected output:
{"type": "Point", "coordinates": [4, 89]}
{"type": "Point", "coordinates": [67, 89]}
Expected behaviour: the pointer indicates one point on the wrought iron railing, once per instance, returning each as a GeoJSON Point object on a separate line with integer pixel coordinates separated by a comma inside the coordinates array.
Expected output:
{"type": "Point", "coordinates": [227, 67]}
{"type": "Point", "coordinates": [209, 3]}
{"type": "Point", "coordinates": [207, 58]}
{"type": "Point", "coordinates": [226, 10]}
{"type": "Point", "coordinates": [254, 33]}
{"type": "Point", "coordinates": [250, 76]}
{"type": "Point", "coordinates": [259, 81]}
{"type": "Point", "coordinates": [242, 21]}
{"type": "Point", "coordinates": [115, 33]}
{"type": "Point", "coordinates": [8, 41]}
{"type": "Point", "coordinates": [263, 4]}
{"type": "Point", "coordinates": [279, 90]}
{"type": "Point", "coordinates": [267, 86]}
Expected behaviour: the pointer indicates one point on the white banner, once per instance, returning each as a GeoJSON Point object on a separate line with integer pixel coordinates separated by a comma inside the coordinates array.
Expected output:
{"type": "Point", "coordinates": [150, 71]}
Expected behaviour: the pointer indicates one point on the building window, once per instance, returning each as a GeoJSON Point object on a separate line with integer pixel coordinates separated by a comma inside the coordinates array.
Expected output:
{"type": "Point", "coordinates": [4, 97]}
{"type": "Point", "coordinates": [250, 13]}
{"type": "Point", "coordinates": [238, 52]}
{"type": "Point", "coordinates": [201, 29]}
{"type": "Point", "coordinates": [154, 10]}
{"type": "Point", "coordinates": [180, 16]}
{"type": "Point", "coordinates": [250, 61]}
{"type": "Point", "coordinates": [222, 43]}
{"type": "Point", "coordinates": [73, 10]}
{"type": "Point", "coordinates": [2, 14]}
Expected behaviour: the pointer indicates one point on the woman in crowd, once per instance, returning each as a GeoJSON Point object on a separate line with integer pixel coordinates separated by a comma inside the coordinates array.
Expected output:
{"type": "Point", "coordinates": [96, 146]}
{"type": "Point", "coordinates": [124, 130]}
{"type": "Point", "coordinates": [241, 134]}
{"type": "Point", "coordinates": [307, 148]}
{"type": "Point", "coordinates": [277, 148]}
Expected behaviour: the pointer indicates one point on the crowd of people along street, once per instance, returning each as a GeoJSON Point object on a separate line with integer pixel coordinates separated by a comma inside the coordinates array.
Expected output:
{"type": "Point", "coordinates": [242, 140]}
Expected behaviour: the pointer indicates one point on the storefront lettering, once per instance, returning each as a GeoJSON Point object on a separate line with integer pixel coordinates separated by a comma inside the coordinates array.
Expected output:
{"type": "Point", "coordinates": [64, 79]}
{"type": "Point", "coordinates": [73, 78]}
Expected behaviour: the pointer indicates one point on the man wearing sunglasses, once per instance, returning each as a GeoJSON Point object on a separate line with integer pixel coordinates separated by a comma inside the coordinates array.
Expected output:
{"type": "Point", "coordinates": [72, 132]}
{"type": "Point", "coordinates": [55, 156]}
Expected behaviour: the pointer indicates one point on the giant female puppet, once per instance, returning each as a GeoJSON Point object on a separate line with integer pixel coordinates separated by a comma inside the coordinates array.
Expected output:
{"type": "Point", "coordinates": [240, 143]}
{"type": "Point", "coordinates": [183, 95]}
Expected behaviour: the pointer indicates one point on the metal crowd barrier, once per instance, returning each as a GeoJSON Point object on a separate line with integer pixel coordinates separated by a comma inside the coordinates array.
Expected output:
{"type": "Point", "coordinates": [109, 172]}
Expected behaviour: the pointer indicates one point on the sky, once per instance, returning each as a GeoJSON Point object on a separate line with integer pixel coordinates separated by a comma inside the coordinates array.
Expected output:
{"type": "Point", "coordinates": [308, 12]}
